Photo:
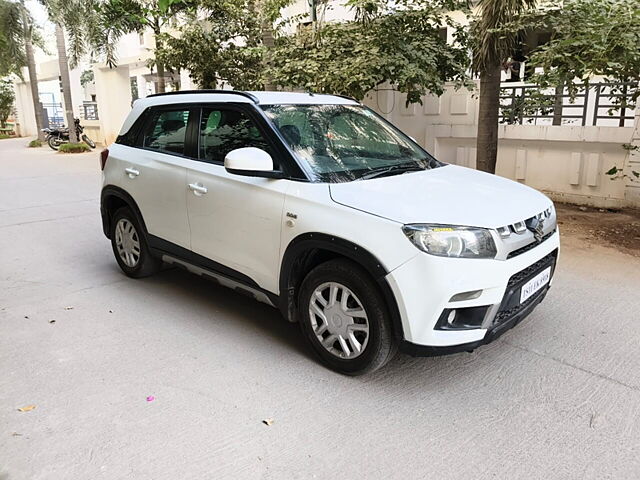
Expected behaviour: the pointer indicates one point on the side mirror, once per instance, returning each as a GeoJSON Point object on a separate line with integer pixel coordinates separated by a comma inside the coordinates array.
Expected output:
{"type": "Point", "coordinates": [251, 162]}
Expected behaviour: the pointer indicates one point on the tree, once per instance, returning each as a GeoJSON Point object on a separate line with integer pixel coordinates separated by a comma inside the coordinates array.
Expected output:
{"type": "Point", "coordinates": [126, 16]}
{"type": "Point", "coordinates": [60, 11]}
{"type": "Point", "coordinates": [7, 98]}
{"type": "Point", "coordinates": [491, 47]}
{"type": "Point", "coordinates": [95, 26]}
{"type": "Point", "coordinates": [63, 65]}
{"type": "Point", "coordinates": [354, 57]}
{"type": "Point", "coordinates": [589, 38]}
{"type": "Point", "coordinates": [222, 44]}
{"type": "Point", "coordinates": [17, 38]}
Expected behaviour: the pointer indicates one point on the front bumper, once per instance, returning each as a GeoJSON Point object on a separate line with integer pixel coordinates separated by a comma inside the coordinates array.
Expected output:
{"type": "Point", "coordinates": [425, 285]}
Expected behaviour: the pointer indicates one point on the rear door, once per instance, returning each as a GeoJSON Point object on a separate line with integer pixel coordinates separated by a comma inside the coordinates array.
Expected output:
{"type": "Point", "coordinates": [235, 220]}
{"type": "Point", "coordinates": [156, 174]}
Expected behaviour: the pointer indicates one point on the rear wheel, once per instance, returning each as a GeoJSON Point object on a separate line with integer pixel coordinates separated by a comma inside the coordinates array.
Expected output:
{"type": "Point", "coordinates": [88, 141]}
{"type": "Point", "coordinates": [130, 246]}
{"type": "Point", "coordinates": [345, 319]}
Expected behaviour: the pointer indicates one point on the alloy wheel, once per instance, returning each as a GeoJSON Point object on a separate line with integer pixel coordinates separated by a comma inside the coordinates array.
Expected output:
{"type": "Point", "coordinates": [127, 242]}
{"type": "Point", "coordinates": [339, 320]}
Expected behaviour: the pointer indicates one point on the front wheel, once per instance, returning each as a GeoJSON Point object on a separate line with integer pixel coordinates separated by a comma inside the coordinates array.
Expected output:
{"type": "Point", "coordinates": [54, 142]}
{"type": "Point", "coordinates": [345, 318]}
{"type": "Point", "coordinates": [88, 141]}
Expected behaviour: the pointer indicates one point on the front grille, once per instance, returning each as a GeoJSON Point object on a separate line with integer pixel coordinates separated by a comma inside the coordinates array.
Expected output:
{"type": "Point", "coordinates": [530, 246]}
{"type": "Point", "coordinates": [511, 305]}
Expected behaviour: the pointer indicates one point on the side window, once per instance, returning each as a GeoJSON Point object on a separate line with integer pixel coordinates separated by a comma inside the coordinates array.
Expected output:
{"type": "Point", "coordinates": [166, 130]}
{"type": "Point", "coordinates": [223, 130]}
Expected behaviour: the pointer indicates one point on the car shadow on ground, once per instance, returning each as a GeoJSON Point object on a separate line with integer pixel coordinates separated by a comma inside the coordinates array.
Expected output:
{"type": "Point", "coordinates": [227, 305]}
{"type": "Point", "coordinates": [223, 305]}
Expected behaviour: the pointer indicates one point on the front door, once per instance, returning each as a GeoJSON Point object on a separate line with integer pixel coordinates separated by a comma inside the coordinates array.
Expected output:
{"type": "Point", "coordinates": [235, 220]}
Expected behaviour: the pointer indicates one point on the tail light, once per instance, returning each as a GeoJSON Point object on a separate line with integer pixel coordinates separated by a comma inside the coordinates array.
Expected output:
{"type": "Point", "coordinates": [104, 154]}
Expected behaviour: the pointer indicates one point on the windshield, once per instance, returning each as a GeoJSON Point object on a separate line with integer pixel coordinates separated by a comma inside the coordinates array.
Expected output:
{"type": "Point", "coordinates": [341, 143]}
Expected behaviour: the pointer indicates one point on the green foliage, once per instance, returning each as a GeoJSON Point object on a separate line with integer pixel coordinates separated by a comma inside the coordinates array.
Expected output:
{"type": "Point", "coordinates": [617, 173]}
{"type": "Point", "coordinates": [95, 26]}
{"type": "Point", "coordinates": [7, 98]}
{"type": "Point", "coordinates": [351, 58]}
{"type": "Point", "coordinates": [12, 53]}
{"type": "Point", "coordinates": [222, 45]}
{"type": "Point", "coordinates": [16, 24]}
{"type": "Point", "coordinates": [590, 37]}
{"type": "Point", "coordinates": [4, 136]}
{"type": "Point", "coordinates": [34, 143]}
{"type": "Point", "coordinates": [74, 148]}
{"type": "Point", "coordinates": [86, 77]}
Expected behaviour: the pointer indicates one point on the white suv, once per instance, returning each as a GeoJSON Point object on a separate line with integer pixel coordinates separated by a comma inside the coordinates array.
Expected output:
{"type": "Point", "coordinates": [319, 207]}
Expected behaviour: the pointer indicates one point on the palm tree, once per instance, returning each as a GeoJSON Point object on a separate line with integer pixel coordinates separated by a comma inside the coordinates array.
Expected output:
{"type": "Point", "coordinates": [490, 49]}
{"type": "Point", "coordinates": [63, 65]}
{"type": "Point", "coordinates": [17, 36]}
{"type": "Point", "coordinates": [81, 18]}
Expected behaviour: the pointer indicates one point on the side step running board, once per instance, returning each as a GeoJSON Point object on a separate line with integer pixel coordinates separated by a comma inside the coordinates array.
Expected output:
{"type": "Point", "coordinates": [221, 279]}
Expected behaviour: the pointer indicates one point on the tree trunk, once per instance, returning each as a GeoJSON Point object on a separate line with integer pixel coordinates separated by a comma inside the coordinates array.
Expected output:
{"type": "Point", "coordinates": [161, 83]}
{"type": "Point", "coordinates": [557, 106]}
{"type": "Point", "coordinates": [63, 65]}
{"type": "Point", "coordinates": [159, 66]}
{"type": "Point", "coordinates": [33, 78]}
{"type": "Point", "coordinates": [488, 112]}
{"type": "Point", "coordinates": [268, 40]}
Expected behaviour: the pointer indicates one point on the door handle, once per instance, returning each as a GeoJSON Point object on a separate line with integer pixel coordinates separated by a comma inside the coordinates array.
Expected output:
{"type": "Point", "coordinates": [198, 189]}
{"type": "Point", "coordinates": [132, 172]}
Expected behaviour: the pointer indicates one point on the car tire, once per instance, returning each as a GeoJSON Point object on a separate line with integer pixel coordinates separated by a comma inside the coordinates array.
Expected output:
{"type": "Point", "coordinates": [130, 245]}
{"type": "Point", "coordinates": [322, 318]}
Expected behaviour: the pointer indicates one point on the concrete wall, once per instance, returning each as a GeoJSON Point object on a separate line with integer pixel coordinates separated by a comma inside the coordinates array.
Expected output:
{"type": "Point", "coordinates": [566, 162]}
{"type": "Point", "coordinates": [632, 165]}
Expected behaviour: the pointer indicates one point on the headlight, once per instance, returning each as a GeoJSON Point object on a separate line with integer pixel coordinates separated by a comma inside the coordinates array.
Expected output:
{"type": "Point", "coordinates": [451, 241]}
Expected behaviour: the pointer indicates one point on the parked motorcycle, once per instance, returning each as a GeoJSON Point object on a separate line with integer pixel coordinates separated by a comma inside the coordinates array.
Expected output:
{"type": "Point", "coordinates": [58, 136]}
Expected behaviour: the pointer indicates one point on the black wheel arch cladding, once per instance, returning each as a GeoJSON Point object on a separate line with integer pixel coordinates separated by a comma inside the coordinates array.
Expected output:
{"type": "Point", "coordinates": [309, 250]}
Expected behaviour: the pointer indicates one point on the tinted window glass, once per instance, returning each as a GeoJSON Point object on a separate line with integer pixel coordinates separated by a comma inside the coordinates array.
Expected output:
{"type": "Point", "coordinates": [224, 130]}
{"type": "Point", "coordinates": [129, 138]}
{"type": "Point", "coordinates": [166, 131]}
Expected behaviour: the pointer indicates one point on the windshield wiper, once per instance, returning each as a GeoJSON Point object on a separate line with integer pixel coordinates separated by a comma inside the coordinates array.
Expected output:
{"type": "Point", "coordinates": [393, 170]}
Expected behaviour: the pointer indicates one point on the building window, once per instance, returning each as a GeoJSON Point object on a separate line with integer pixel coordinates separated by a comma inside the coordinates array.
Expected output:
{"type": "Point", "coordinates": [134, 88]}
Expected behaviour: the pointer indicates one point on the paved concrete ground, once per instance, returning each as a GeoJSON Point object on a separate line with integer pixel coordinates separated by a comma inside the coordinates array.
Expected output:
{"type": "Point", "coordinates": [557, 397]}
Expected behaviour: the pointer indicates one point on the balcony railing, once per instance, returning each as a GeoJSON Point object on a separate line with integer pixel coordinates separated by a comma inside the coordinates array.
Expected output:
{"type": "Point", "coordinates": [602, 104]}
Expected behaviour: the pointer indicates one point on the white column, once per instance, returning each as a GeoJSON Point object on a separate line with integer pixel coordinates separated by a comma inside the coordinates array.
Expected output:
{"type": "Point", "coordinates": [113, 95]}
{"type": "Point", "coordinates": [26, 119]}
{"type": "Point", "coordinates": [185, 81]}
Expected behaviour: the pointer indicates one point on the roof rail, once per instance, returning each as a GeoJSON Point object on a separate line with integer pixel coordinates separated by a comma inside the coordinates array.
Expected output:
{"type": "Point", "coordinates": [253, 98]}
{"type": "Point", "coordinates": [344, 96]}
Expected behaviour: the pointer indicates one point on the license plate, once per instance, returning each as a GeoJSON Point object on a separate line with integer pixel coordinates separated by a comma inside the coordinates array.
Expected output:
{"type": "Point", "coordinates": [535, 284]}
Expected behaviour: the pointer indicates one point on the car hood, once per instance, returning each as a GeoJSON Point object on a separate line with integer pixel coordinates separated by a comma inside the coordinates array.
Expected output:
{"type": "Point", "coordinates": [447, 195]}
